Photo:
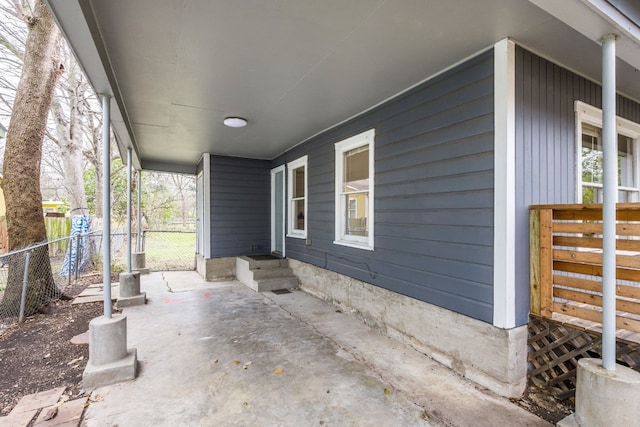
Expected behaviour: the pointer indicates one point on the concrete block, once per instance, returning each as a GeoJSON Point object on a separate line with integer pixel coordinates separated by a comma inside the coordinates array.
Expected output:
{"type": "Point", "coordinates": [124, 369]}
{"type": "Point", "coordinates": [129, 284]}
{"type": "Point", "coordinates": [139, 299]}
{"type": "Point", "coordinates": [492, 357]}
{"type": "Point", "coordinates": [605, 398]}
{"type": "Point", "coordinates": [107, 339]}
{"type": "Point", "coordinates": [109, 360]}
{"type": "Point", "coordinates": [216, 269]}
{"type": "Point", "coordinates": [138, 261]}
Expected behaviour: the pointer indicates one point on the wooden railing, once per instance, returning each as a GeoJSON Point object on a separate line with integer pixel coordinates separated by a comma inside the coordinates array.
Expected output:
{"type": "Point", "coordinates": [566, 262]}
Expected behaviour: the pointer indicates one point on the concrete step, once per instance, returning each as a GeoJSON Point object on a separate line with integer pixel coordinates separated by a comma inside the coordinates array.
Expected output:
{"type": "Point", "coordinates": [266, 263]}
{"type": "Point", "coordinates": [266, 273]}
{"type": "Point", "coordinates": [265, 285]}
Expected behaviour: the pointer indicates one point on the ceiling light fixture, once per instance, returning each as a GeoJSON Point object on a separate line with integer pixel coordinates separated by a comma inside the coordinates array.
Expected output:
{"type": "Point", "coordinates": [235, 122]}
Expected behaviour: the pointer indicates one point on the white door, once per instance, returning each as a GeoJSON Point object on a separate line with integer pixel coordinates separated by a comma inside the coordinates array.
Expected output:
{"type": "Point", "coordinates": [278, 211]}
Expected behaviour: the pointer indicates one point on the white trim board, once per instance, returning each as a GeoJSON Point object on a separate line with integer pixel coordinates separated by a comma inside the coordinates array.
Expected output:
{"type": "Point", "coordinates": [206, 187]}
{"type": "Point", "coordinates": [274, 172]}
{"type": "Point", "coordinates": [504, 186]}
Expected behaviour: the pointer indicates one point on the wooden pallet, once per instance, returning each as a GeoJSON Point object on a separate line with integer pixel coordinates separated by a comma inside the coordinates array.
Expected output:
{"type": "Point", "coordinates": [554, 351]}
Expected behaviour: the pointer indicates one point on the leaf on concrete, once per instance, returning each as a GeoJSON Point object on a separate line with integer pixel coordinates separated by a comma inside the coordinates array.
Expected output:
{"type": "Point", "coordinates": [237, 362]}
{"type": "Point", "coordinates": [51, 413]}
{"type": "Point", "coordinates": [215, 361]}
{"type": "Point", "coordinates": [96, 398]}
{"type": "Point", "coordinates": [278, 371]}
{"type": "Point", "coordinates": [386, 391]}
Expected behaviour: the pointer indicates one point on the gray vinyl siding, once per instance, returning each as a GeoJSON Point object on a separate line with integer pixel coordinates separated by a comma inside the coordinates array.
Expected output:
{"type": "Point", "coordinates": [240, 206]}
{"type": "Point", "coordinates": [433, 193]}
{"type": "Point", "coordinates": [545, 146]}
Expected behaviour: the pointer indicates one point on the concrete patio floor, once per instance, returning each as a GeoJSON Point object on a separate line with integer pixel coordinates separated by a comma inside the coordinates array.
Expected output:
{"type": "Point", "coordinates": [220, 354]}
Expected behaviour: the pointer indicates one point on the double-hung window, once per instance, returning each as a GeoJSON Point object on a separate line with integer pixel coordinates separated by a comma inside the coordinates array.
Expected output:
{"type": "Point", "coordinates": [354, 191]}
{"type": "Point", "coordinates": [589, 150]}
{"type": "Point", "coordinates": [297, 195]}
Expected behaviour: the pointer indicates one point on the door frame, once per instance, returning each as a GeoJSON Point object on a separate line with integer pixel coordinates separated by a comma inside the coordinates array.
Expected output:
{"type": "Point", "coordinates": [274, 172]}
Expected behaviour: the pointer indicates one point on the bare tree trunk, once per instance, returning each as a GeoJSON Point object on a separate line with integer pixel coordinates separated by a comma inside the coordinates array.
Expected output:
{"type": "Point", "coordinates": [94, 157]}
{"type": "Point", "coordinates": [70, 143]}
{"type": "Point", "coordinates": [23, 152]}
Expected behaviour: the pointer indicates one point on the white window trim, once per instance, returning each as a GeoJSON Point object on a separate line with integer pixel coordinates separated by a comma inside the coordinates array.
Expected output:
{"type": "Point", "coordinates": [362, 139]}
{"type": "Point", "coordinates": [291, 166]}
{"type": "Point", "coordinates": [274, 172]}
{"type": "Point", "coordinates": [586, 113]}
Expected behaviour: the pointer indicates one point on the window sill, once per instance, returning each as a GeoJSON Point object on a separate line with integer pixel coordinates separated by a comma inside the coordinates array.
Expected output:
{"type": "Point", "coordinates": [297, 235]}
{"type": "Point", "coordinates": [357, 245]}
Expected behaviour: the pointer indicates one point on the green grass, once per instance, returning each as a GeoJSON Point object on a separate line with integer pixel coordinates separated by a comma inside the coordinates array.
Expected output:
{"type": "Point", "coordinates": [164, 251]}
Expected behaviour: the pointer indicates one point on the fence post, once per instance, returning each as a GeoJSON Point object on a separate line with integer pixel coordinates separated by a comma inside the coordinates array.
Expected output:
{"type": "Point", "coordinates": [541, 261]}
{"type": "Point", "coordinates": [69, 250]}
{"type": "Point", "coordinates": [25, 280]}
{"type": "Point", "coordinates": [534, 260]}
{"type": "Point", "coordinates": [546, 262]}
{"type": "Point", "coordinates": [78, 257]}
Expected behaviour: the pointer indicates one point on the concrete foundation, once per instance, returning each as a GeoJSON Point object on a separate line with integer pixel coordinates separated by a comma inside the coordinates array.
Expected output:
{"type": "Point", "coordinates": [138, 262]}
{"type": "Point", "coordinates": [216, 269]}
{"type": "Point", "coordinates": [605, 398]}
{"type": "Point", "coordinates": [130, 290]}
{"type": "Point", "coordinates": [492, 357]}
{"type": "Point", "coordinates": [109, 360]}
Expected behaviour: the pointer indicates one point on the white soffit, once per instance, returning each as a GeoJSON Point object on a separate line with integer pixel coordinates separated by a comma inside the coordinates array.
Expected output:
{"type": "Point", "coordinates": [595, 19]}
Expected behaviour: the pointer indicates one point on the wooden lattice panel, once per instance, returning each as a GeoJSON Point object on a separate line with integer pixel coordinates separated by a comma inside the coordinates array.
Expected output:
{"type": "Point", "coordinates": [554, 351]}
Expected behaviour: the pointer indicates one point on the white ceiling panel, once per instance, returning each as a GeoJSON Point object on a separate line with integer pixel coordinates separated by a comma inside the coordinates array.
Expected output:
{"type": "Point", "coordinates": [293, 68]}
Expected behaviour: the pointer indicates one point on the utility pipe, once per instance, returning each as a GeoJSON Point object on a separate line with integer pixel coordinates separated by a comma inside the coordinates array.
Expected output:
{"type": "Point", "coordinates": [610, 198]}
{"type": "Point", "coordinates": [106, 204]}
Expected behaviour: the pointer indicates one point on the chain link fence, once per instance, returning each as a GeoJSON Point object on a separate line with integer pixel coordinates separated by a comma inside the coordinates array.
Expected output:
{"type": "Point", "coordinates": [32, 277]}
{"type": "Point", "coordinates": [164, 250]}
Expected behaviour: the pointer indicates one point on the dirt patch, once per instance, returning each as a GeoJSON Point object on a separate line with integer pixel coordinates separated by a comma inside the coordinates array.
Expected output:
{"type": "Point", "coordinates": [544, 405]}
{"type": "Point", "coordinates": [38, 355]}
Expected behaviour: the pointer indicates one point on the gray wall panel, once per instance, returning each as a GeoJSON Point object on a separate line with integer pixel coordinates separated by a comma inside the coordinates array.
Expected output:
{"type": "Point", "coordinates": [240, 206]}
{"type": "Point", "coordinates": [433, 194]}
{"type": "Point", "coordinates": [545, 145]}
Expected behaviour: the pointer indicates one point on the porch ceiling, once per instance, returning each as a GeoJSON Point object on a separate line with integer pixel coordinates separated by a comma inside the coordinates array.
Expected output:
{"type": "Point", "coordinates": [292, 68]}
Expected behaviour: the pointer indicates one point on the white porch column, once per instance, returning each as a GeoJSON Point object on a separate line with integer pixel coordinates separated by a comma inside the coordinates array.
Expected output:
{"type": "Point", "coordinates": [129, 179]}
{"type": "Point", "coordinates": [610, 198]}
{"type": "Point", "coordinates": [106, 203]}
{"type": "Point", "coordinates": [139, 214]}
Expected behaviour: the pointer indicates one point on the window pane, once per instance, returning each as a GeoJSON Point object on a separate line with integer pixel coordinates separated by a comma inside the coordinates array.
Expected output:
{"type": "Point", "coordinates": [356, 169]}
{"type": "Point", "coordinates": [298, 209]}
{"type": "Point", "coordinates": [356, 213]}
{"type": "Point", "coordinates": [592, 158]}
{"type": "Point", "coordinates": [298, 184]}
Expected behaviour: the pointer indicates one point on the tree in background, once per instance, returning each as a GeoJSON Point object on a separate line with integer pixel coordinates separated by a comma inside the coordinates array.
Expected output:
{"type": "Point", "coordinates": [23, 150]}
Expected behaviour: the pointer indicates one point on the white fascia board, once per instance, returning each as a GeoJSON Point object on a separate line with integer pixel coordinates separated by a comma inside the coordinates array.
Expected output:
{"type": "Point", "coordinates": [504, 186]}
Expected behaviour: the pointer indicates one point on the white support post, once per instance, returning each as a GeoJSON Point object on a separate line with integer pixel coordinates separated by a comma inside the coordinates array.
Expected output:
{"type": "Point", "coordinates": [504, 293]}
{"type": "Point", "coordinates": [129, 181]}
{"type": "Point", "coordinates": [139, 214]}
{"type": "Point", "coordinates": [610, 196]}
{"type": "Point", "coordinates": [106, 204]}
